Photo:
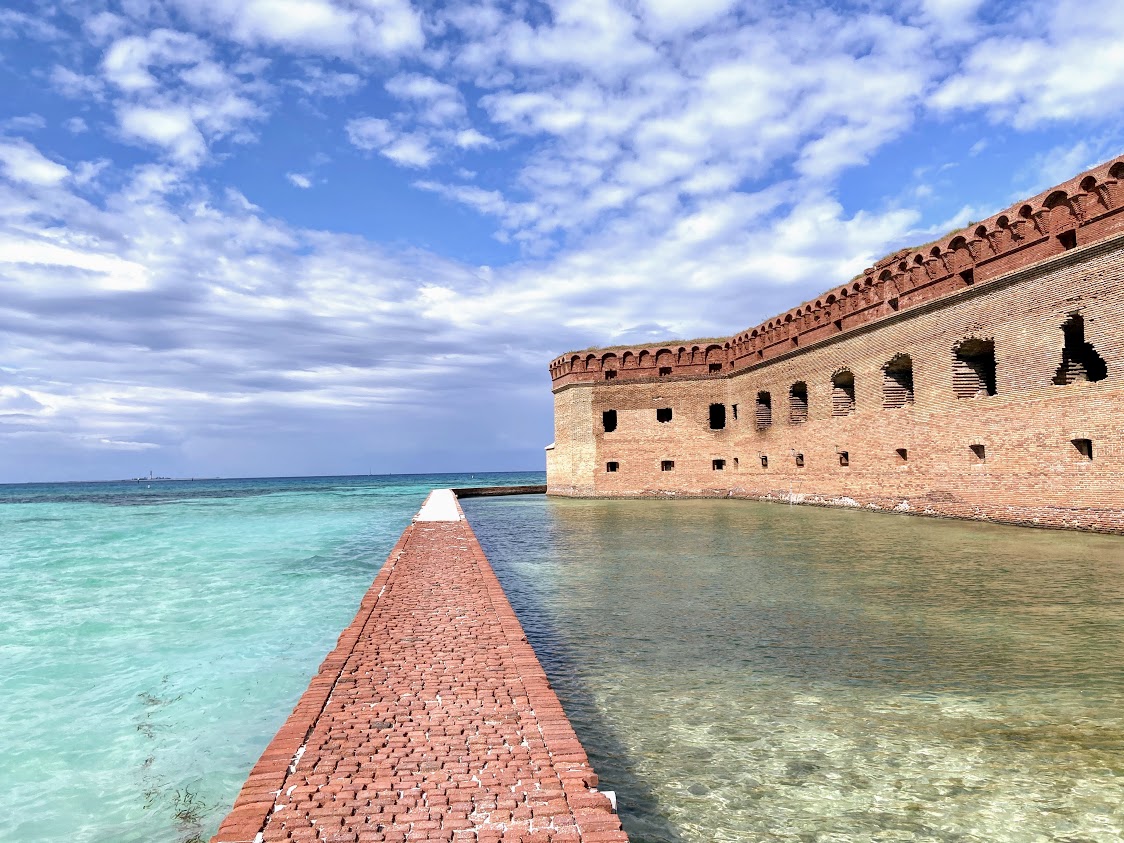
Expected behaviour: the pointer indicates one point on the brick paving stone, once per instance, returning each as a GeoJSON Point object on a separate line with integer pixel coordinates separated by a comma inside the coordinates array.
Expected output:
{"type": "Point", "coordinates": [432, 720]}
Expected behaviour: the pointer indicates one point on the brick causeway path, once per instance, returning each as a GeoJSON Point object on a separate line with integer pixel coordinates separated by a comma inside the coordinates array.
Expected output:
{"type": "Point", "coordinates": [431, 720]}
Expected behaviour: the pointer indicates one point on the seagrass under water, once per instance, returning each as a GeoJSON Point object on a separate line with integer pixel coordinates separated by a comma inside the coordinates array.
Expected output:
{"type": "Point", "coordinates": [741, 671]}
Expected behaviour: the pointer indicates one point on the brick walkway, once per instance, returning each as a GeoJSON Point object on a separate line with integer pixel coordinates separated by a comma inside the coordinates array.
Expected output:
{"type": "Point", "coordinates": [431, 720]}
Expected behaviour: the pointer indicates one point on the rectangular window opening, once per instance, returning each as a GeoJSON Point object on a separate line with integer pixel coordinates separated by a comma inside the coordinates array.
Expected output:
{"type": "Point", "coordinates": [838, 323]}
{"type": "Point", "coordinates": [1080, 361]}
{"type": "Point", "coordinates": [795, 342]}
{"type": "Point", "coordinates": [610, 374]}
{"type": "Point", "coordinates": [903, 454]}
{"type": "Point", "coordinates": [717, 465]}
{"type": "Point", "coordinates": [735, 462]}
{"type": "Point", "coordinates": [799, 460]}
{"type": "Point", "coordinates": [764, 461]}
{"type": "Point", "coordinates": [973, 368]}
{"type": "Point", "coordinates": [609, 420]}
{"type": "Point", "coordinates": [1084, 448]}
{"type": "Point", "coordinates": [717, 416]}
{"type": "Point", "coordinates": [844, 458]}
{"type": "Point", "coordinates": [968, 276]}
{"type": "Point", "coordinates": [897, 382]}
{"type": "Point", "coordinates": [667, 465]}
{"type": "Point", "coordinates": [798, 403]}
{"type": "Point", "coordinates": [665, 371]}
{"type": "Point", "coordinates": [842, 393]}
{"type": "Point", "coordinates": [763, 410]}
{"type": "Point", "coordinates": [1068, 239]}
{"type": "Point", "coordinates": [979, 451]}
{"type": "Point", "coordinates": [714, 367]}
{"type": "Point", "coordinates": [734, 411]}
{"type": "Point", "coordinates": [612, 466]}
{"type": "Point", "coordinates": [663, 415]}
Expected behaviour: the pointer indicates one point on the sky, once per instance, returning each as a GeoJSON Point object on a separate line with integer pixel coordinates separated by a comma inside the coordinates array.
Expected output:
{"type": "Point", "coordinates": [296, 237]}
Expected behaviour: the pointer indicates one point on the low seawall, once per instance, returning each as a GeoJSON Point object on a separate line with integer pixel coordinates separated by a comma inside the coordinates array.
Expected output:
{"type": "Point", "coordinates": [494, 491]}
{"type": "Point", "coordinates": [431, 720]}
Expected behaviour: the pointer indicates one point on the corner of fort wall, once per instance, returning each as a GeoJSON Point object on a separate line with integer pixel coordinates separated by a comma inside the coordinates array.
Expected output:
{"type": "Point", "coordinates": [981, 377]}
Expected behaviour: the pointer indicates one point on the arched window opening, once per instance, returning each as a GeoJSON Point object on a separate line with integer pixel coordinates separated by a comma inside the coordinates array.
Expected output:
{"type": "Point", "coordinates": [763, 410]}
{"type": "Point", "coordinates": [973, 368]}
{"type": "Point", "coordinates": [798, 403]}
{"type": "Point", "coordinates": [663, 415]}
{"type": "Point", "coordinates": [842, 393]}
{"type": "Point", "coordinates": [897, 382]}
{"type": "Point", "coordinates": [1080, 361]}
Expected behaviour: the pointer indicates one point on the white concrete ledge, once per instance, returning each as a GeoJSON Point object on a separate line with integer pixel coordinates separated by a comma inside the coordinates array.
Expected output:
{"type": "Point", "coordinates": [441, 505]}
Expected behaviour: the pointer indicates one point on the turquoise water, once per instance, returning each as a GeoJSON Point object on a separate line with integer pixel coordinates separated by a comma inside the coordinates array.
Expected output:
{"type": "Point", "coordinates": [741, 671]}
{"type": "Point", "coordinates": [738, 671]}
{"type": "Point", "coordinates": [154, 636]}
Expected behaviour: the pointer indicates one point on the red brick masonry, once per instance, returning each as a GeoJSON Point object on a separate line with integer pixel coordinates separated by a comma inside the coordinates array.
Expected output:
{"type": "Point", "coordinates": [431, 720]}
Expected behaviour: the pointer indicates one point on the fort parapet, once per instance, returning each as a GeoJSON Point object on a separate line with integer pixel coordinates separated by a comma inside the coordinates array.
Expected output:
{"type": "Point", "coordinates": [980, 376]}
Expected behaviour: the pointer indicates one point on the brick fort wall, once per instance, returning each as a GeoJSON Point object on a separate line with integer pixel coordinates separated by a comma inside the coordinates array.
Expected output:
{"type": "Point", "coordinates": [979, 377]}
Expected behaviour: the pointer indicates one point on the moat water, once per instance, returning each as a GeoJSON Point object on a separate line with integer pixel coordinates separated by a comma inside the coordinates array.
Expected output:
{"type": "Point", "coordinates": [742, 671]}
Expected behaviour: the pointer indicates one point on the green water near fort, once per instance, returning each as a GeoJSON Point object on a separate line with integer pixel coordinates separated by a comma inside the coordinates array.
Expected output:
{"type": "Point", "coordinates": [742, 671]}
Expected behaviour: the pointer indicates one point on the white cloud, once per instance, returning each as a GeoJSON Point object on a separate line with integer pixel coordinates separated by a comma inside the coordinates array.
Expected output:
{"type": "Point", "coordinates": [404, 149]}
{"type": "Point", "coordinates": [409, 151]}
{"type": "Point", "coordinates": [14, 24]}
{"type": "Point", "coordinates": [318, 82]}
{"type": "Point", "coordinates": [485, 201]}
{"type": "Point", "coordinates": [669, 17]}
{"type": "Point", "coordinates": [14, 400]}
{"type": "Point", "coordinates": [472, 139]}
{"type": "Point", "coordinates": [24, 123]}
{"type": "Point", "coordinates": [439, 103]}
{"type": "Point", "coordinates": [299, 180]}
{"type": "Point", "coordinates": [75, 85]}
{"type": "Point", "coordinates": [709, 112]}
{"type": "Point", "coordinates": [129, 61]}
{"type": "Point", "coordinates": [369, 28]}
{"type": "Point", "coordinates": [75, 125]}
{"type": "Point", "coordinates": [595, 37]}
{"type": "Point", "coordinates": [171, 93]}
{"type": "Point", "coordinates": [1063, 65]}
{"type": "Point", "coordinates": [369, 132]}
{"type": "Point", "coordinates": [170, 128]}
{"type": "Point", "coordinates": [96, 271]}
{"type": "Point", "coordinates": [22, 162]}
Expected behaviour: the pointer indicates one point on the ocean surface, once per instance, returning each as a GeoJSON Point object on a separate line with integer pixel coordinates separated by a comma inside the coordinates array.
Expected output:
{"type": "Point", "coordinates": [155, 635]}
{"type": "Point", "coordinates": [738, 671]}
{"type": "Point", "coordinates": [743, 671]}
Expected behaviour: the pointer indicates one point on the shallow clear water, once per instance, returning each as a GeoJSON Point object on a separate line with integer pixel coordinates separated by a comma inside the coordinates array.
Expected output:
{"type": "Point", "coordinates": [154, 636]}
{"type": "Point", "coordinates": [743, 671]}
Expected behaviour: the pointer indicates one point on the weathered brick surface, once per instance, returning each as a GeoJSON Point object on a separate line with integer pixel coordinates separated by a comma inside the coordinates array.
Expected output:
{"type": "Point", "coordinates": [431, 720]}
{"type": "Point", "coordinates": [1031, 471]}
